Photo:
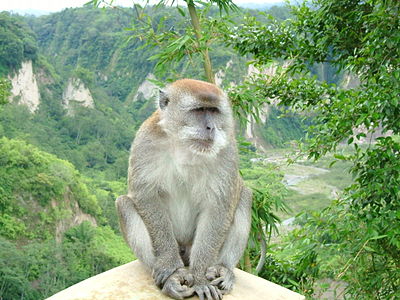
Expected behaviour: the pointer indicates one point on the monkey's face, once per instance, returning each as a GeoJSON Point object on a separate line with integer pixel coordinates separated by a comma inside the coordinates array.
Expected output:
{"type": "Point", "coordinates": [201, 122]}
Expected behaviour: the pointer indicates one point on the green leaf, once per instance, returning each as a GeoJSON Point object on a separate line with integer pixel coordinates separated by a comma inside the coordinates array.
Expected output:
{"type": "Point", "coordinates": [339, 156]}
{"type": "Point", "coordinates": [181, 11]}
{"type": "Point", "coordinates": [378, 237]}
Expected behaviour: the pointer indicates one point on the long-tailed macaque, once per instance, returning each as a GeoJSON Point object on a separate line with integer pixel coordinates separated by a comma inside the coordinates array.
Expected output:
{"type": "Point", "coordinates": [187, 213]}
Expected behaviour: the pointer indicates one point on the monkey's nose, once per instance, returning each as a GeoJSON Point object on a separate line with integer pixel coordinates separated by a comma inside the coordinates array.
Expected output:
{"type": "Point", "coordinates": [210, 132]}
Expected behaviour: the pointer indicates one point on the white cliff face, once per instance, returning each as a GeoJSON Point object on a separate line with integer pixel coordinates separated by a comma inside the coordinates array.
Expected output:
{"type": "Point", "coordinates": [220, 75]}
{"type": "Point", "coordinates": [350, 81]}
{"type": "Point", "coordinates": [78, 93]}
{"type": "Point", "coordinates": [265, 109]}
{"type": "Point", "coordinates": [147, 89]}
{"type": "Point", "coordinates": [269, 71]}
{"type": "Point", "coordinates": [24, 89]}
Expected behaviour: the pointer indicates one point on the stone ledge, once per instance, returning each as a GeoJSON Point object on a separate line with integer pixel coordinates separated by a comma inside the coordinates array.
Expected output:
{"type": "Point", "coordinates": [132, 281]}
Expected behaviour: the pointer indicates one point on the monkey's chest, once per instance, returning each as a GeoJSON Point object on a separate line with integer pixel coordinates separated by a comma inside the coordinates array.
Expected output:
{"type": "Point", "coordinates": [183, 211]}
{"type": "Point", "coordinates": [186, 189]}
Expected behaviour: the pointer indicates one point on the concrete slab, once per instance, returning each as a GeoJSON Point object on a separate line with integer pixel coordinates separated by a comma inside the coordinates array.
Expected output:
{"type": "Point", "coordinates": [133, 281]}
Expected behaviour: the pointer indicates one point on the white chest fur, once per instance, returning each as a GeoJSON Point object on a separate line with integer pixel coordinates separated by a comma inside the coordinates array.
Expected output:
{"type": "Point", "coordinates": [187, 181]}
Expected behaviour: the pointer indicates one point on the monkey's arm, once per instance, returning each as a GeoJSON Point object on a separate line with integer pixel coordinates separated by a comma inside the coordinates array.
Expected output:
{"type": "Point", "coordinates": [215, 220]}
{"type": "Point", "coordinates": [164, 245]}
{"type": "Point", "coordinates": [221, 274]}
{"type": "Point", "coordinates": [211, 233]}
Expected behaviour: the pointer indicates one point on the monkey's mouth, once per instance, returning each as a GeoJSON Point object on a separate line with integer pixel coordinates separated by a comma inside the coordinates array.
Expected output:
{"type": "Point", "coordinates": [202, 144]}
{"type": "Point", "coordinates": [205, 143]}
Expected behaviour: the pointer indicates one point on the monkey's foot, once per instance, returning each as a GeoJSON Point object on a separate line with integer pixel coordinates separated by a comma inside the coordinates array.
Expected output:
{"type": "Point", "coordinates": [163, 270]}
{"type": "Point", "coordinates": [205, 290]}
{"type": "Point", "coordinates": [221, 277]}
{"type": "Point", "coordinates": [178, 285]}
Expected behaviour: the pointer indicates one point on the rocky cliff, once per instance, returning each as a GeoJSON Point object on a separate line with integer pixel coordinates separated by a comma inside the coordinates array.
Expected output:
{"type": "Point", "coordinates": [25, 90]}
{"type": "Point", "coordinates": [76, 93]}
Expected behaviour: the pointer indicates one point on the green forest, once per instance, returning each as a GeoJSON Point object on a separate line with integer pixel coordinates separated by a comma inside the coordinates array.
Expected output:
{"type": "Point", "coordinates": [315, 89]}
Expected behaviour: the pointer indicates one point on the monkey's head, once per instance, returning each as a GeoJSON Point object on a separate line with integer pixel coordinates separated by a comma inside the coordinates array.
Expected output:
{"type": "Point", "coordinates": [196, 114]}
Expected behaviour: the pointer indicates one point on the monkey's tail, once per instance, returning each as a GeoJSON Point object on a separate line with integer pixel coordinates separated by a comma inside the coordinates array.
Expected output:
{"type": "Point", "coordinates": [263, 245]}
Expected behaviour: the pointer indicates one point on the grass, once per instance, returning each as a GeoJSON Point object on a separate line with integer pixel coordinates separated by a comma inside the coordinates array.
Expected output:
{"type": "Point", "coordinates": [301, 203]}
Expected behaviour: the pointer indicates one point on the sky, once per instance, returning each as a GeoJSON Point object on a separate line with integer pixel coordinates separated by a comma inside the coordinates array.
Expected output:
{"type": "Point", "coordinates": [56, 5]}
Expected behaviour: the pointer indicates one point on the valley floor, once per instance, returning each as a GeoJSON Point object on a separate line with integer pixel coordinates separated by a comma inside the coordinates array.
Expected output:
{"type": "Point", "coordinates": [311, 185]}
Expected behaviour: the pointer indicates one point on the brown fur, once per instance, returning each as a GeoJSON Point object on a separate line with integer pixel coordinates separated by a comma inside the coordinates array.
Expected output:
{"type": "Point", "coordinates": [151, 125]}
{"type": "Point", "coordinates": [202, 90]}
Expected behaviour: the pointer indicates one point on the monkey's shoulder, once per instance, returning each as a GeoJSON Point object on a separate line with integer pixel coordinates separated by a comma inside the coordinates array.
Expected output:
{"type": "Point", "coordinates": [147, 142]}
{"type": "Point", "coordinates": [151, 127]}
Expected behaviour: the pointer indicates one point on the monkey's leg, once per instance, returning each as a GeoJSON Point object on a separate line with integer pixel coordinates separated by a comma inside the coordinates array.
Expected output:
{"type": "Point", "coordinates": [134, 231]}
{"type": "Point", "coordinates": [211, 233]}
{"type": "Point", "coordinates": [221, 274]}
{"type": "Point", "coordinates": [164, 246]}
{"type": "Point", "coordinates": [138, 238]}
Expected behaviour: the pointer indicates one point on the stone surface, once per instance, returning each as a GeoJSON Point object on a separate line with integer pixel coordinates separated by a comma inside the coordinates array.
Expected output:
{"type": "Point", "coordinates": [78, 93]}
{"type": "Point", "coordinates": [132, 281]}
{"type": "Point", "coordinates": [25, 89]}
{"type": "Point", "coordinates": [147, 90]}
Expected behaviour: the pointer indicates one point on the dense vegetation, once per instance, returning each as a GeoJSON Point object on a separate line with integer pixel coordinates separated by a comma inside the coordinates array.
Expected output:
{"type": "Point", "coordinates": [39, 197]}
{"type": "Point", "coordinates": [18, 43]}
{"type": "Point", "coordinates": [362, 229]}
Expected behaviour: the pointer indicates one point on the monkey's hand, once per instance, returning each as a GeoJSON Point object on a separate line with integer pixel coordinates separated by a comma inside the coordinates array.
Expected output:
{"type": "Point", "coordinates": [179, 284]}
{"type": "Point", "coordinates": [221, 277]}
{"type": "Point", "coordinates": [164, 268]}
{"type": "Point", "coordinates": [205, 290]}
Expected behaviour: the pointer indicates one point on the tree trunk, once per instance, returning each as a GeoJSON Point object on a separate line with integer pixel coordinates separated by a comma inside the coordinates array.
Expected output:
{"type": "Point", "coordinates": [247, 262]}
{"type": "Point", "coordinates": [196, 26]}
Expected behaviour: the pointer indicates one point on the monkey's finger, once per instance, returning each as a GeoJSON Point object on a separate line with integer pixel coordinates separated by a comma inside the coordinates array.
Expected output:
{"type": "Point", "coordinates": [211, 276]}
{"type": "Point", "coordinates": [211, 273]}
{"type": "Point", "coordinates": [165, 277]}
{"type": "Point", "coordinates": [187, 292]}
{"type": "Point", "coordinates": [226, 285]}
{"type": "Point", "coordinates": [190, 279]}
{"type": "Point", "coordinates": [187, 279]}
{"type": "Point", "coordinates": [224, 292]}
{"type": "Point", "coordinates": [216, 293]}
{"type": "Point", "coordinates": [158, 280]}
{"type": "Point", "coordinates": [161, 279]}
{"type": "Point", "coordinates": [201, 296]}
{"type": "Point", "coordinates": [169, 291]}
{"type": "Point", "coordinates": [177, 291]}
{"type": "Point", "coordinates": [217, 281]}
{"type": "Point", "coordinates": [208, 293]}
{"type": "Point", "coordinates": [180, 288]}
{"type": "Point", "coordinates": [200, 293]}
{"type": "Point", "coordinates": [220, 293]}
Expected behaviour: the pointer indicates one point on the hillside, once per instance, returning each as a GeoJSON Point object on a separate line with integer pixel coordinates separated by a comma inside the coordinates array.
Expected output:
{"type": "Point", "coordinates": [82, 86]}
{"type": "Point", "coordinates": [53, 224]}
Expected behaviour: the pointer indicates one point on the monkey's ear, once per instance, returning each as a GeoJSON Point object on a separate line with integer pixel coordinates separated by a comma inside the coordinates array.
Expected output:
{"type": "Point", "coordinates": [163, 99]}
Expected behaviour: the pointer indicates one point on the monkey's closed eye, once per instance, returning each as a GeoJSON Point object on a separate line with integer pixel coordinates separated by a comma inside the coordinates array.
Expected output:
{"type": "Point", "coordinates": [208, 109]}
